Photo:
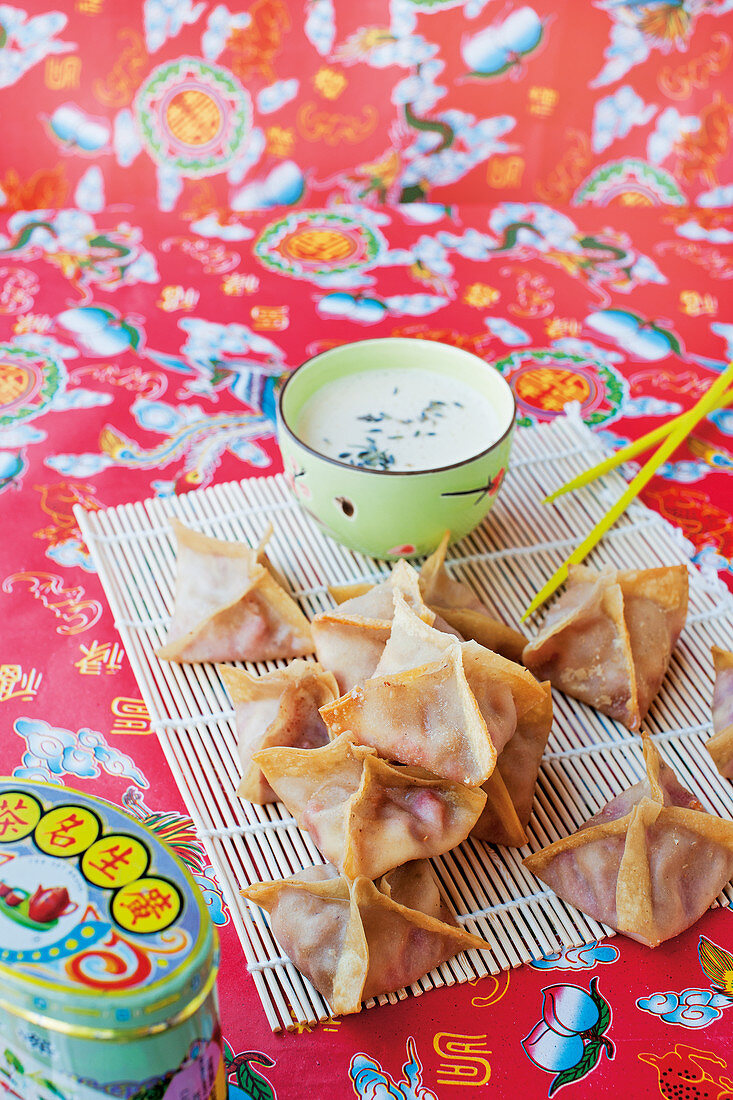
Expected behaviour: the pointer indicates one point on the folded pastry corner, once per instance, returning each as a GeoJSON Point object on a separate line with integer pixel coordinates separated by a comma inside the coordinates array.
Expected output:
{"type": "Point", "coordinates": [350, 638]}
{"type": "Point", "coordinates": [437, 702]}
{"type": "Point", "coordinates": [648, 864]}
{"type": "Point", "coordinates": [510, 790]}
{"type": "Point", "coordinates": [608, 639]}
{"type": "Point", "coordinates": [357, 940]}
{"type": "Point", "coordinates": [228, 605]}
{"type": "Point", "coordinates": [365, 815]}
{"type": "Point", "coordinates": [456, 604]}
{"type": "Point", "coordinates": [426, 717]}
{"type": "Point", "coordinates": [277, 708]}
{"type": "Point", "coordinates": [720, 744]}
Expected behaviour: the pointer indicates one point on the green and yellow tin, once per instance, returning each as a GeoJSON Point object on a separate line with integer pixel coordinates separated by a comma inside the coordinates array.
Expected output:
{"type": "Point", "coordinates": [108, 957]}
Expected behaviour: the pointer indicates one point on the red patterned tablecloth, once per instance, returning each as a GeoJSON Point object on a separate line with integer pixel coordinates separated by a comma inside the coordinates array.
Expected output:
{"type": "Point", "coordinates": [138, 357]}
{"type": "Point", "coordinates": [198, 197]}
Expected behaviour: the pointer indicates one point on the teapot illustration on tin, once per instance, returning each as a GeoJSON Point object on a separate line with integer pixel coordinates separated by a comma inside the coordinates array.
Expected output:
{"type": "Point", "coordinates": [41, 911]}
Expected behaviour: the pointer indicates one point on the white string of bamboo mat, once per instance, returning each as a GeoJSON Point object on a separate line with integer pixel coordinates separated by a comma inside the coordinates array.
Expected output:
{"type": "Point", "coordinates": [589, 758]}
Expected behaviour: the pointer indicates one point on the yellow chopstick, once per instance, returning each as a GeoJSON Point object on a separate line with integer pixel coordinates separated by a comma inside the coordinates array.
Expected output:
{"type": "Point", "coordinates": [683, 426]}
{"type": "Point", "coordinates": [631, 450]}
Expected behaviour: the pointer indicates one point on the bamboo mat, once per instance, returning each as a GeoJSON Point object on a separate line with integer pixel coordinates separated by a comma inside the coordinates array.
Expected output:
{"type": "Point", "coordinates": [589, 758]}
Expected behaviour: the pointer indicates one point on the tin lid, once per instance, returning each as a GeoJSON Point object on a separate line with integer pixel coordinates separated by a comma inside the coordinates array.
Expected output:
{"type": "Point", "coordinates": [102, 929]}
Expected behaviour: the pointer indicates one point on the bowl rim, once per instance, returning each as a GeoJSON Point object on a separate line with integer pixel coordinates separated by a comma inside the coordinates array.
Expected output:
{"type": "Point", "coordinates": [393, 473]}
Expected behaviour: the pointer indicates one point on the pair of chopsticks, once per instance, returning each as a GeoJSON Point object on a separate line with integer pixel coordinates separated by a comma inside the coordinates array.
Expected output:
{"type": "Point", "coordinates": [669, 436]}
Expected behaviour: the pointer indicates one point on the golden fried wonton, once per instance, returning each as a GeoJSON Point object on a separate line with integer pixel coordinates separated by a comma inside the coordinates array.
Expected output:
{"type": "Point", "coordinates": [427, 717]}
{"type": "Point", "coordinates": [436, 702]}
{"type": "Point", "coordinates": [349, 639]}
{"type": "Point", "coordinates": [367, 816]}
{"type": "Point", "coordinates": [720, 745]}
{"type": "Point", "coordinates": [510, 790]}
{"type": "Point", "coordinates": [229, 606]}
{"type": "Point", "coordinates": [277, 708]}
{"type": "Point", "coordinates": [356, 940]}
{"type": "Point", "coordinates": [461, 608]}
{"type": "Point", "coordinates": [648, 864]}
{"type": "Point", "coordinates": [608, 639]}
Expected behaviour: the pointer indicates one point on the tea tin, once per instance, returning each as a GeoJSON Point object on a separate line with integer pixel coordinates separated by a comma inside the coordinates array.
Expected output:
{"type": "Point", "coordinates": [108, 957]}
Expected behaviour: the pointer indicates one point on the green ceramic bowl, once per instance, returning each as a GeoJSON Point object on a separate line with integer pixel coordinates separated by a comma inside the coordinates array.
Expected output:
{"type": "Point", "coordinates": [385, 513]}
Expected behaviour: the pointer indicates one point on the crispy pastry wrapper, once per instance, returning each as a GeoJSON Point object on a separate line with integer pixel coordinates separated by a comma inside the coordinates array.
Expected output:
{"type": "Point", "coordinates": [367, 816]}
{"type": "Point", "coordinates": [357, 940]}
{"type": "Point", "coordinates": [426, 717]}
{"type": "Point", "coordinates": [648, 864]}
{"type": "Point", "coordinates": [510, 790]}
{"type": "Point", "coordinates": [277, 708]}
{"type": "Point", "coordinates": [436, 702]}
{"type": "Point", "coordinates": [349, 639]}
{"type": "Point", "coordinates": [720, 745]}
{"type": "Point", "coordinates": [503, 690]}
{"type": "Point", "coordinates": [229, 606]}
{"type": "Point", "coordinates": [460, 607]}
{"type": "Point", "coordinates": [609, 637]}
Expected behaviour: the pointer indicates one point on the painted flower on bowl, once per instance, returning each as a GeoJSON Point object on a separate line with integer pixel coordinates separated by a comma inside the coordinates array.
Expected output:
{"type": "Point", "coordinates": [294, 475]}
{"type": "Point", "coordinates": [407, 550]}
{"type": "Point", "coordinates": [569, 1038]}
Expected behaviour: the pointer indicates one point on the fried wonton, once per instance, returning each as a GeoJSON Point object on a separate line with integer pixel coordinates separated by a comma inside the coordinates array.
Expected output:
{"type": "Point", "coordinates": [229, 606]}
{"type": "Point", "coordinates": [277, 708]}
{"type": "Point", "coordinates": [502, 688]}
{"type": "Point", "coordinates": [648, 864]}
{"type": "Point", "coordinates": [426, 717]}
{"type": "Point", "coordinates": [367, 816]}
{"type": "Point", "coordinates": [518, 715]}
{"type": "Point", "coordinates": [609, 638]}
{"type": "Point", "coordinates": [357, 940]}
{"type": "Point", "coordinates": [458, 605]}
{"type": "Point", "coordinates": [436, 702]}
{"type": "Point", "coordinates": [412, 640]}
{"type": "Point", "coordinates": [720, 745]}
{"type": "Point", "coordinates": [510, 790]}
{"type": "Point", "coordinates": [349, 639]}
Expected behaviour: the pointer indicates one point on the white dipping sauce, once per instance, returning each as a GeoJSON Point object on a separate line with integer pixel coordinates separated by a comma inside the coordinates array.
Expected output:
{"type": "Point", "coordinates": [398, 419]}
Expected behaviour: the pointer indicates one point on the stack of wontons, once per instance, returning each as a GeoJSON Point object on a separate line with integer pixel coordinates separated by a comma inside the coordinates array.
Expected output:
{"type": "Point", "coordinates": [417, 727]}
